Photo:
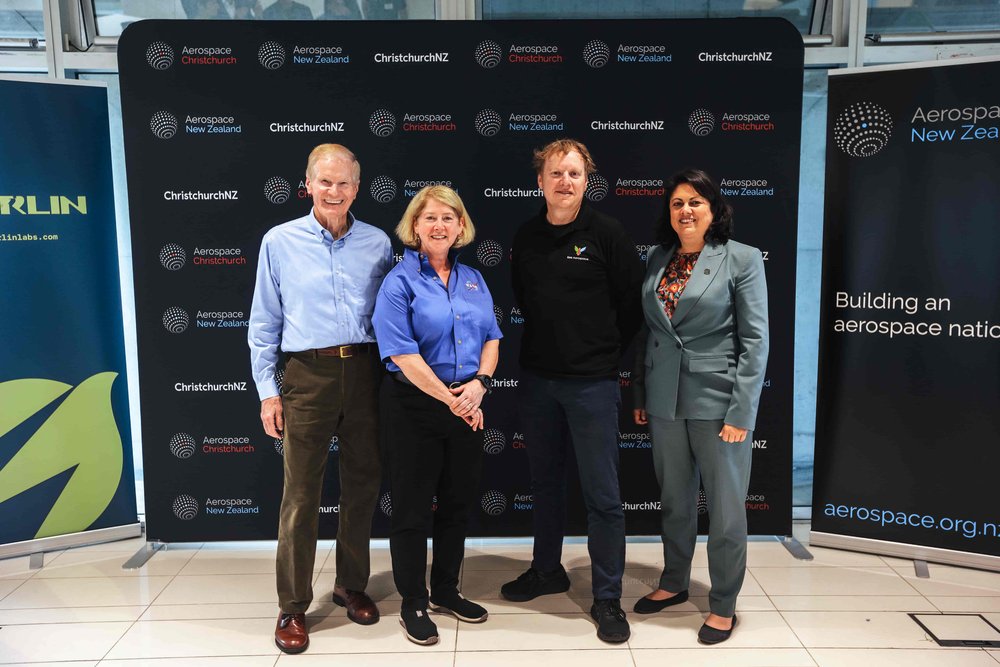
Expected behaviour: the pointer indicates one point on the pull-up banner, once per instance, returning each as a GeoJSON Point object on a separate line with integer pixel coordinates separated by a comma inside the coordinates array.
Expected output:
{"type": "Point", "coordinates": [65, 450]}
{"type": "Point", "coordinates": [909, 360]}
{"type": "Point", "coordinates": [220, 117]}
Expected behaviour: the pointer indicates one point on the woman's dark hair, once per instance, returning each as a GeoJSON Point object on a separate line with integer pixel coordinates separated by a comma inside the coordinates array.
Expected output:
{"type": "Point", "coordinates": [721, 229]}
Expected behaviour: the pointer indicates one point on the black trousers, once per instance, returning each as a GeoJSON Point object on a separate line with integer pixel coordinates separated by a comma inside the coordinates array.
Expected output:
{"type": "Point", "coordinates": [432, 454]}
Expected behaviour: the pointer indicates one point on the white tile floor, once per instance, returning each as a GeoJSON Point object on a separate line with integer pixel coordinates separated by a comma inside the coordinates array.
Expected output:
{"type": "Point", "coordinates": [213, 605]}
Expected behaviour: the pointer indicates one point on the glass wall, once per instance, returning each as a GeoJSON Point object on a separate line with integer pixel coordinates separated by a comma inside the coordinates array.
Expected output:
{"type": "Point", "coordinates": [21, 20]}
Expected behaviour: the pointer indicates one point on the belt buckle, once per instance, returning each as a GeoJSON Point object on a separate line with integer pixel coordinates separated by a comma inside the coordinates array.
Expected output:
{"type": "Point", "coordinates": [345, 351]}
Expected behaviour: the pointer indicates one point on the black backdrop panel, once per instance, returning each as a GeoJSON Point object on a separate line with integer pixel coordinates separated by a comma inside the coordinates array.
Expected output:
{"type": "Point", "coordinates": [907, 420]}
{"type": "Point", "coordinates": [220, 116]}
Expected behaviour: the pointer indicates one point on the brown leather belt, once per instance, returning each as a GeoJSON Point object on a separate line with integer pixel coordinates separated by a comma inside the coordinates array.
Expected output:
{"type": "Point", "coordinates": [345, 351]}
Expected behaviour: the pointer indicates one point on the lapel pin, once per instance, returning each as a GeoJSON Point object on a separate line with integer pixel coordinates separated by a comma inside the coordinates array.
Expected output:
{"type": "Point", "coordinates": [708, 271]}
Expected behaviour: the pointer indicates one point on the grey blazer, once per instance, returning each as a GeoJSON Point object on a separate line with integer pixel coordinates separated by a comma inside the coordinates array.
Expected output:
{"type": "Point", "coordinates": [708, 361]}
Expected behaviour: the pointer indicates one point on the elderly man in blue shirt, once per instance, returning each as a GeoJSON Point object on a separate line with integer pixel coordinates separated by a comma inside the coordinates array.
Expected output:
{"type": "Point", "coordinates": [317, 278]}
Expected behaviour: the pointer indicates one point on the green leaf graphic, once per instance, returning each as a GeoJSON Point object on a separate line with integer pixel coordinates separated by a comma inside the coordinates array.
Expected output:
{"type": "Point", "coordinates": [81, 432]}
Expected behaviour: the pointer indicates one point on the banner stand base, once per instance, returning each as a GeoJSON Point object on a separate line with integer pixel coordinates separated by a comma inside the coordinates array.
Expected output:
{"type": "Point", "coordinates": [901, 550]}
{"type": "Point", "coordinates": [140, 557]}
{"type": "Point", "coordinates": [35, 548]}
{"type": "Point", "coordinates": [796, 548]}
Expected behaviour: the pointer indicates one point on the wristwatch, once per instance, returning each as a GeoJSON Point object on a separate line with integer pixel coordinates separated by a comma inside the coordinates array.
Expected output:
{"type": "Point", "coordinates": [487, 382]}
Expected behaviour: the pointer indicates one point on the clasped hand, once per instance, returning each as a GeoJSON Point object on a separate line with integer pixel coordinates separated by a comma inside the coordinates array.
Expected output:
{"type": "Point", "coordinates": [468, 398]}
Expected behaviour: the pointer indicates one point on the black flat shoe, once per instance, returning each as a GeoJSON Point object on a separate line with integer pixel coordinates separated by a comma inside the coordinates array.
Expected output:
{"type": "Point", "coordinates": [710, 635]}
{"type": "Point", "coordinates": [647, 606]}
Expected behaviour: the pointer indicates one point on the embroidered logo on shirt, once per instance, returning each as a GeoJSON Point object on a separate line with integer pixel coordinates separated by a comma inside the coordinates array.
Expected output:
{"type": "Point", "coordinates": [578, 253]}
{"type": "Point", "coordinates": [578, 250]}
{"type": "Point", "coordinates": [469, 285]}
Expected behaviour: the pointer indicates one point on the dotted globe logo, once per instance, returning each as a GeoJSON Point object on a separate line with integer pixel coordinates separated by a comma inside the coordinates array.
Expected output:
{"type": "Point", "coordinates": [182, 446]}
{"type": "Point", "coordinates": [279, 377]}
{"type": "Point", "coordinates": [702, 502]}
{"type": "Point", "coordinates": [489, 54]}
{"type": "Point", "coordinates": [597, 187]}
{"type": "Point", "coordinates": [279, 446]}
{"type": "Point", "coordinates": [494, 441]}
{"type": "Point", "coordinates": [488, 123]}
{"type": "Point", "coordinates": [277, 190]}
{"type": "Point", "coordinates": [185, 507]}
{"type": "Point", "coordinates": [175, 320]}
{"type": "Point", "coordinates": [271, 55]}
{"type": "Point", "coordinates": [172, 257]}
{"type": "Point", "coordinates": [498, 313]}
{"type": "Point", "coordinates": [489, 253]}
{"type": "Point", "coordinates": [596, 53]}
{"type": "Point", "coordinates": [494, 503]}
{"type": "Point", "coordinates": [701, 122]}
{"type": "Point", "coordinates": [862, 129]}
{"type": "Point", "coordinates": [159, 55]}
{"type": "Point", "coordinates": [163, 124]}
{"type": "Point", "coordinates": [383, 189]}
{"type": "Point", "coordinates": [382, 122]}
{"type": "Point", "coordinates": [385, 503]}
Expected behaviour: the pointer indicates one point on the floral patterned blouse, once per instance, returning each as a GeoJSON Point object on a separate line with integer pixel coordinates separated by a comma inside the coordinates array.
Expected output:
{"type": "Point", "coordinates": [674, 279]}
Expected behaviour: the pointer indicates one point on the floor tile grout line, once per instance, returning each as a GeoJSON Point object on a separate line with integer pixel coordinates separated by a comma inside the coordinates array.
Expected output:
{"type": "Point", "coordinates": [797, 638]}
{"type": "Point", "coordinates": [810, 654]}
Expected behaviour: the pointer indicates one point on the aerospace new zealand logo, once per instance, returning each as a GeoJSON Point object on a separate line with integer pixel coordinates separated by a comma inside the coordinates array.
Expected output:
{"type": "Point", "coordinates": [163, 124]}
{"type": "Point", "coordinates": [596, 53]}
{"type": "Point", "coordinates": [489, 54]}
{"type": "Point", "coordinates": [277, 190]}
{"type": "Point", "coordinates": [176, 320]}
{"type": "Point", "coordinates": [172, 257]}
{"type": "Point", "coordinates": [489, 253]}
{"type": "Point", "coordinates": [862, 129]}
{"type": "Point", "coordinates": [597, 187]}
{"type": "Point", "coordinates": [385, 503]}
{"type": "Point", "coordinates": [701, 122]}
{"type": "Point", "coordinates": [383, 189]}
{"type": "Point", "coordinates": [182, 446]}
{"type": "Point", "coordinates": [488, 123]}
{"type": "Point", "coordinates": [271, 55]}
{"type": "Point", "coordinates": [185, 507]}
{"type": "Point", "coordinates": [382, 122]}
{"type": "Point", "coordinates": [159, 55]}
{"type": "Point", "coordinates": [494, 441]}
{"type": "Point", "coordinates": [498, 313]}
{"type": "Point", "coordinates": [494, 503]}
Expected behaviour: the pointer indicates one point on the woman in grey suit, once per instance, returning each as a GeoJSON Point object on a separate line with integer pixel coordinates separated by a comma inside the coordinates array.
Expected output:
{"type": "Point", "coordinates": [699, 373]}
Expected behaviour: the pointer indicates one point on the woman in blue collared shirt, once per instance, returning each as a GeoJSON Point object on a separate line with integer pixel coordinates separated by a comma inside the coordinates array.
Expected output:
{"type": "Point", "coordinates": [439, 337]}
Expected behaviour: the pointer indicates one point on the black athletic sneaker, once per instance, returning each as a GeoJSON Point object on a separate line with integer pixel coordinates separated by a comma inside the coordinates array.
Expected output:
{"type": "Point", "coordinates": [611, 623]}
{"type": "Point", "coordinates": [533, 583]}
{"type": "Point", "coordinates": [418, 627]}
{"type": "Point", "coordinates": [460, 608]}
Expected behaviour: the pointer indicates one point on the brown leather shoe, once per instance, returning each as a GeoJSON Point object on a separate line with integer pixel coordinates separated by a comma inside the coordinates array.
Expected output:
{"type": "Point", "coordinates": [360, 608]}
{"type": "Point", "coordinates": [290, 635]}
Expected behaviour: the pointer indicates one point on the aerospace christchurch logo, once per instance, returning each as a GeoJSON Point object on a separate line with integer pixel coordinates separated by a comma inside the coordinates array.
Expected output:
{"type": "Point", "coordinates": [182, 446]}
{"type": "Point", "coordinates": [494, 441]}
{"type": "Point", "coordinates": [271, 55]}
{"type": "Point", "coordinates": [172, 257]}
{"type": "Point", "coordinates": [498, 313]}
{"type": "Point", "coordinates": [489, 54]}
{"type": "Point", "coordinates": [597, 187]}
{"type": "Point", "coordinates": [596, 53]}
{"type": "Point", "coordinates": [385, 503]}
{"type": "Point", "coordinates": [176, 320]}
{"type": "Point", "coordinates": [701, 122]}
{"type": "Point", "coordinates": [382, 122]}
{"type": "Point", "coordinates": [494, 503]}
{"type": "Point", "coordinates": [185, 507]}
{"type": "Point", "coordinates": [277, 190]}
{"type": "Point", "coordinates": [489, 253]}
{"type": "Point", "coordinates": [163, 124]}
{"type": "Point", "coordinates": [862, 129]}
{"type": "Point", "coordinates": [488, 122]}
{"type": "Point", "coordinates": [159, 55]}
{"type": "Point", "coordinates": [383, 189]}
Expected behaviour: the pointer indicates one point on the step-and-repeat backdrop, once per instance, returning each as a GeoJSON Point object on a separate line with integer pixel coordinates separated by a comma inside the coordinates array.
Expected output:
{"type": "Point", "coordinates": [219, 119]}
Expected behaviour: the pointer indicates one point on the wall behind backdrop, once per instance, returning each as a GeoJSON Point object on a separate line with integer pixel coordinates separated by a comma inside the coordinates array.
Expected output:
{"type": "Point", "coordinates": [220, 117]}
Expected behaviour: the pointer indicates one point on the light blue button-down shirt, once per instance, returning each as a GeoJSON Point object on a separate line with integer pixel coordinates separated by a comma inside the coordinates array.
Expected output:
{"type": "Point", "coordinates": [313, 292]}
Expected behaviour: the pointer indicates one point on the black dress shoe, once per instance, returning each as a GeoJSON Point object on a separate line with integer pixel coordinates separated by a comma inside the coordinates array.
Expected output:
{"type": "Point", "coordinates": [648, 606]}
{"type": "Point", "coordinates": [710, 635]}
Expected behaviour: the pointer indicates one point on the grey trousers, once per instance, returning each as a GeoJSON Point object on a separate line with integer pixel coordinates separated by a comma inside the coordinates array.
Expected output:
{"type": "Point", "coordinates": [681, 449]}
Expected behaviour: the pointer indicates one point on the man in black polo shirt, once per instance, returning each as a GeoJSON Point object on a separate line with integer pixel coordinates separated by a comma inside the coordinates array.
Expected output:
{"type": "Point", "coordinates": [577, 280]}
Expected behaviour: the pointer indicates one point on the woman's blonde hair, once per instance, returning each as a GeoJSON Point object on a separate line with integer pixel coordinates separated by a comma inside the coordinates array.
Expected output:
{"type": "Point", "coordinates": [406, 229]}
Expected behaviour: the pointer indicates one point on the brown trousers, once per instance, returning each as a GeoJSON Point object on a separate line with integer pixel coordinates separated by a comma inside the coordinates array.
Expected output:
{"type": "Point", "coordinates": [322, 396]}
